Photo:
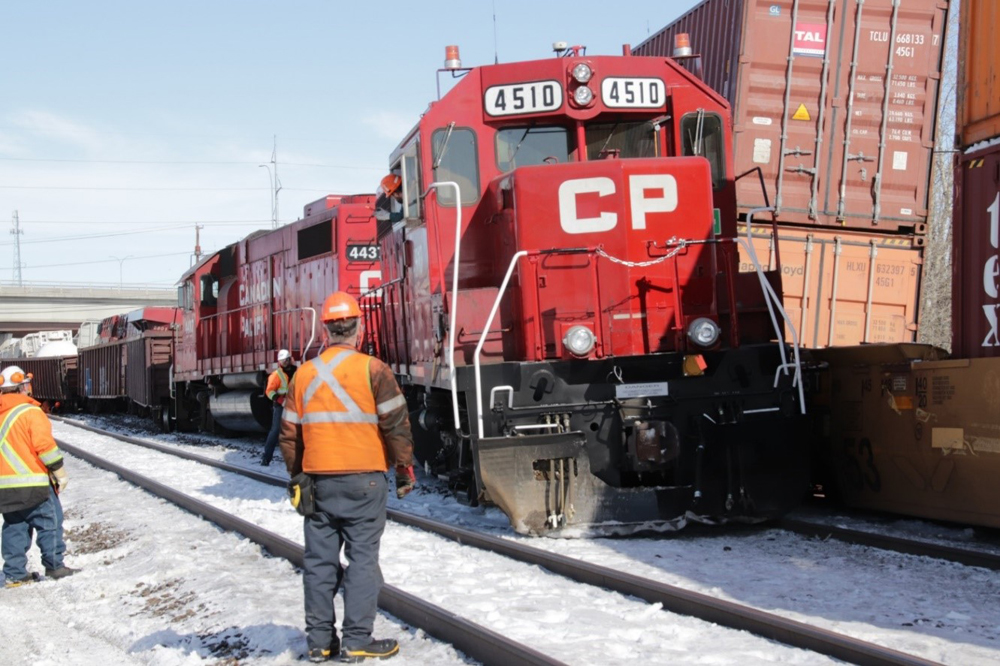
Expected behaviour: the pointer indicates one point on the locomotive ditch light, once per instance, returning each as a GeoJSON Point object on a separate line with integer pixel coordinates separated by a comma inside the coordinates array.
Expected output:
{"type": "Point", "coordinates": [583, 96]}
{"type": "Point", "coordinates": [703, 332]}
{"type": "Point", "coordinates": [579, 340]}
{"type": "Point", "coordinates": [582, 72]}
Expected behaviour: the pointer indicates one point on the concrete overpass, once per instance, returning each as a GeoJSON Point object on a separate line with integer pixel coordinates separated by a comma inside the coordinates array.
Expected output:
{"type": "Point", "coordinates": [47, 307]}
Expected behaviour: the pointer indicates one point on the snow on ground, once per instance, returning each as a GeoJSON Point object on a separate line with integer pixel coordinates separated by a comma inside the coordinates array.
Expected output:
{"type": "Point", "coordinates": [160, 586]}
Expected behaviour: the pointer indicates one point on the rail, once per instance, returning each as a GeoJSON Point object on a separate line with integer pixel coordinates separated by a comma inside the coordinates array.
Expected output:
{"type": "Point", "coordinates": [672, 598]}
{"type": "Point", "coordinates": [476, 641]}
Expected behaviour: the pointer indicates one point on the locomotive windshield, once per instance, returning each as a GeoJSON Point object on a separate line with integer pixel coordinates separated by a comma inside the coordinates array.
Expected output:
{"type": "Point", "coordinates": [456, 159]}
{"type": "Point", "coordinates": [621, 139]}
{"type": "Point", "coordinates": [527, 146]}
{"type": "Point", "coordinates": [702, 136]}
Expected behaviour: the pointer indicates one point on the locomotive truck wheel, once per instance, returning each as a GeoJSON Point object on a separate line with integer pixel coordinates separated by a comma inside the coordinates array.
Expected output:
{"type": "Point", "coordinates": [166, 424]}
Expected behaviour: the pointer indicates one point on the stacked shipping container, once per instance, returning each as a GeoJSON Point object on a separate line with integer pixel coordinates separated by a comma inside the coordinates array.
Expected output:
{"type": "Point", "coordinates": [835, 101]}
{"type": "Point", "coordinates": [976, 259]}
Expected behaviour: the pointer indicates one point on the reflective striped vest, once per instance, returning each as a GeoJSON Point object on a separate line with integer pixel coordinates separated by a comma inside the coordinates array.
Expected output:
{"type": "Point", "coordinates": [331, 398]}
{"type": "Point", "coordinates": [21, 464]}
{"type": "Point", "coordinates": [277, 385]}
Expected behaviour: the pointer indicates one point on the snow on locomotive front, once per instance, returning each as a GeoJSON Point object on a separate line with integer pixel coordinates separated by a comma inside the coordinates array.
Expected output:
{"type": "Point", "coordinates": [587, 354]}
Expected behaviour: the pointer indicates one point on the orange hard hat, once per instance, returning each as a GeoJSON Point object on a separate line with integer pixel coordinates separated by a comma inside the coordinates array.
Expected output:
{"type": "Point", "coordinates": [340, 305]}
{"type": "Point", "coordinates": [390, 184]}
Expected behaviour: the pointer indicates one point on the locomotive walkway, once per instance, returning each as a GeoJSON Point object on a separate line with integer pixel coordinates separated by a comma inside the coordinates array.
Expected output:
{"type": "Point", "coordinates": [41, 306]}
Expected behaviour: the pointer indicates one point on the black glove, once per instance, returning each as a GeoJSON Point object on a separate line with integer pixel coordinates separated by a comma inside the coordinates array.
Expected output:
{"type": "Point", "coordinates": [302, 494]}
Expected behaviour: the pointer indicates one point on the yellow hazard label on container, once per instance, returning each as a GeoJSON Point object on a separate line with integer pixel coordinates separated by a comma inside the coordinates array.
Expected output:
{"type": "Point", "coordinates": [802, 113]}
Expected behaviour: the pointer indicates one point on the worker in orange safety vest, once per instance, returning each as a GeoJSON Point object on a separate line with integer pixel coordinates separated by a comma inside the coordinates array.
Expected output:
{"type": "Point", "coordinates": [344, 424]}
{"type": "Point", "coordinates": [276, 389]}
{"type": "Point", "coordinates": [32, 475]}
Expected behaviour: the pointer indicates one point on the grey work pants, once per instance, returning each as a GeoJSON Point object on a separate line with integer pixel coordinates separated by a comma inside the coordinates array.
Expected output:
{"type": "Point", "coordinates": [350, 510]}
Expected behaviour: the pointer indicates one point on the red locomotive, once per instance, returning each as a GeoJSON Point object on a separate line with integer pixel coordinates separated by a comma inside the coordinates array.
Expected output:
{"type": "Point", "coordinates": [562, 299]}
{"type": "Point", "coordinates": [256, 296]}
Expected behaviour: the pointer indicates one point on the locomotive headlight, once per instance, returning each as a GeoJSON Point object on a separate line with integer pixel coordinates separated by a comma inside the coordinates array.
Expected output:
{"type": "Point", "coordinates": [579, 340]}
{"type": "Point", "coordinates": [703, 332]}
{"type": "Point", "coordinates": [583, 95]}
{"type": "Point", "coordinates": [582, 72]}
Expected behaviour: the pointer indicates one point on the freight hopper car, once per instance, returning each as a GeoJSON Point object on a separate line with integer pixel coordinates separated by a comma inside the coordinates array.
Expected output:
{"type": "Point", "coordinates": [242, 304]}
{"type": "Point", "coordinates": [53, 375]}
{"type": "Point", "coordinates": [128, 370]}
{"type": "Point", "coordinates": [563, 301]}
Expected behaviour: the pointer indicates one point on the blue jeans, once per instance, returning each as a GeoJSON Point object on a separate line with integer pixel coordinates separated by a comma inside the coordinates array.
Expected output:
{"type": "Point", "coordinates": [46, 520]}
{"type": "Point", "coordinates": [350, 511]}
{"type": "Point", "coordinates": [272, 435]}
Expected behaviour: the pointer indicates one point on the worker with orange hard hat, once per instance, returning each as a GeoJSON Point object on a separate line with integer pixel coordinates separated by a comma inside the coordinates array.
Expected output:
{"type": "Point", "coordinates": [345, 422]}
{"type": "Point", "coordinates": [389, 200]}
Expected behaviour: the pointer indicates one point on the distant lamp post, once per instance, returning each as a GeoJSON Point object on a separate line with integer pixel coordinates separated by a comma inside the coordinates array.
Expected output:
{"type": "Point", "coordinates": [121, 262]}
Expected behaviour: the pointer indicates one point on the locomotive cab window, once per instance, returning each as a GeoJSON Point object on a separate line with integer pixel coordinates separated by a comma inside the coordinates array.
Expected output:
{"type": "Point", "coordinates": [315, 240]}
{"type": "Point", "coordinates": [621, 139]}
{"type": "Point", "coordinates": [456, 158]}
{"type": "Point", "coordinates": [209, 291]}
{"type": "Point", "coordinates": [702, 136]}
{"type": "Point", "coordinates": [526, 146]}
{"type": "Point", "coordinates": [185, 296]}
{"type": "Point", "coordinates": [411, 181]}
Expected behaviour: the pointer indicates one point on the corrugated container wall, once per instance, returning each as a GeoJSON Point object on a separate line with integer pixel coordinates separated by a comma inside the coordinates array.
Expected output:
{"type": "Point", "coordinates": [976, 266]}
{"type": "Point", "coordinates": [835, 100]}
{"type": "Point", "coordinates": [844, 287]}
{"type": "Point", "coordinates": [979, 72]}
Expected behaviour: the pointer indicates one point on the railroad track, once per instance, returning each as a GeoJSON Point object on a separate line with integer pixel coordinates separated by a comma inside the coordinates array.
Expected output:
{"type": "Point", "coordinates": [473, 639]}
{"type": "Point", "coordinates": [672, 598]}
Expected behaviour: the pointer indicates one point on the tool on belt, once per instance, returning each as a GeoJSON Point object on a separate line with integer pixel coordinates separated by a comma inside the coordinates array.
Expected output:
{"type": "Point", "coordinates": [302, 494]}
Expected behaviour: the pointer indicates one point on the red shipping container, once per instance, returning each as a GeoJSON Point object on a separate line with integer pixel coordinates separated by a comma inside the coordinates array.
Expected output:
{"type": "Point", "coordinates": [844, 140]}
{"type": "Point", "coordinates": [976, 266]}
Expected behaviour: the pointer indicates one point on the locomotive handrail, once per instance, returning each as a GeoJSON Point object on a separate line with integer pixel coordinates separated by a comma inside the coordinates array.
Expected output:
{"type": "Point", "coordinates": [312, 327]}
{"type": "Point", "coordinates": [453, 304]}
{"type": "Point", "coordinates": [482, 339]}
{"type": "Point", "coordinates": [771, 300]}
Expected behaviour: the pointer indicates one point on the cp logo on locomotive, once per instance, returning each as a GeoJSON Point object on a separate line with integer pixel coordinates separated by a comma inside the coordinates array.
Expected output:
{"type": "Point", "coordinates": [651, 193]}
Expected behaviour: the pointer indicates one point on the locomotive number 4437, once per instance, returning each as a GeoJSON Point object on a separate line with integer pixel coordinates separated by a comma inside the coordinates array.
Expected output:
{"type": "Point", "coordinates": [362, 253]}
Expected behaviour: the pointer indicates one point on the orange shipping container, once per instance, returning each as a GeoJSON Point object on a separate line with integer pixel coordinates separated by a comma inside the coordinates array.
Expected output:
{"type": "Point", "coordinates": [979, 72]}
{"type": "Point", "coordinates": [842, 287]}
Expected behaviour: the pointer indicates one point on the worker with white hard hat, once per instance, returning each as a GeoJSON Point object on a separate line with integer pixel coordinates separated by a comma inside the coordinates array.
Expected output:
{"type": "Point", "coordinates": [277, 388]}
{"type": "Point", "coordinates": [32, 475]}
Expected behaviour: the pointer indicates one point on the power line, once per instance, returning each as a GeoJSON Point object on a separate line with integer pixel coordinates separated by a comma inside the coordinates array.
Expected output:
{"type": "Point", "coordinates": [177, 222]}
{"type": "Point", "coordinates": [106, 261]}
{"type": "Point", "coordinates": [152, 189]}
{"type": "Point", "coordinates": [181, 162]}
{"type": "Point", "coordinates": [102, 235]}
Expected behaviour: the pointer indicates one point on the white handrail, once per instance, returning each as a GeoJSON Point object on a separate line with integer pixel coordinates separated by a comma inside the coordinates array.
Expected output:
{"type": "Point", "coordinates": [771, 297]}
{"type": "Point", "coordinates": [453, 305]}
{"type": "Point", "coordinates": [482, 338]}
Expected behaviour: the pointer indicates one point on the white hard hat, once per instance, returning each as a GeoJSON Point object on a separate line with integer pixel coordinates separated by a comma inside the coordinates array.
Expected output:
{"type": "Point", "coordinates": [13, 376]}
{"type": "Point", "coordinates": [283, 354]}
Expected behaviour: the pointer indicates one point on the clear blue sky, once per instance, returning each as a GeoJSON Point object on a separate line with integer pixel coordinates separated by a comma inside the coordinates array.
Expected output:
{"type": "Point", "coordinates": [123, 123]}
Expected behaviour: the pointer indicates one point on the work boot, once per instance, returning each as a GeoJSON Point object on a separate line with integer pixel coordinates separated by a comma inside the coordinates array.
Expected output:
{"type": "Point", "coordinates": [61, 572]}
{"type": "Point", "coordinates": [317, 655]}
{"type": "Point", "coordinates": [376, 649]}
{"type": "Point", "coordinates": [18, 582]}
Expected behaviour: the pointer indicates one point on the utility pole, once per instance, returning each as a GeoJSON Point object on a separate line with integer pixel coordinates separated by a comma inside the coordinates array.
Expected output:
{"type": "Point", "coordinates": [17, 232]}
{"type": "Point", "coordinates": [197, 242]}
